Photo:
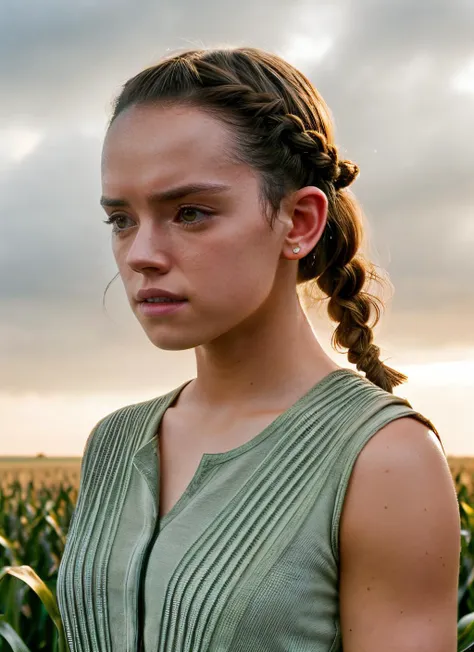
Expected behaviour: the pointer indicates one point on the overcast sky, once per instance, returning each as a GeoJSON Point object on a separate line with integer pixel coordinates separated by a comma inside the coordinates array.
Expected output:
{"type": "Point", "coordinates": [399, 79]}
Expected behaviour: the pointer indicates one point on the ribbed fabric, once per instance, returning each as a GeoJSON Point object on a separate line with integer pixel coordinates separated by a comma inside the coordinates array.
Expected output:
{"type": "Point", "coordinates": [248, 557]}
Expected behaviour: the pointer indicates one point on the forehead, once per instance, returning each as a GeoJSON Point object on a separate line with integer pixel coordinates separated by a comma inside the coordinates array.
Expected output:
{"type": "Point", "coordinates": [166, 143]}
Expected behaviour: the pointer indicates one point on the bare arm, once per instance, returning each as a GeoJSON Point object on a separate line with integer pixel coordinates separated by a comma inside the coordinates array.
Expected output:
{"type": "Point", "coordinates": [400, 545]}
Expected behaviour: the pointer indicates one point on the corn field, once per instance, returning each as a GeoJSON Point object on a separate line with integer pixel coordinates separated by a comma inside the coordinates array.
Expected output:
{"type": "Point", "coordinates": [36, 506]}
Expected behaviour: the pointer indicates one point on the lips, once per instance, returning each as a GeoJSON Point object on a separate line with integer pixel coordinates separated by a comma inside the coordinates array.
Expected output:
{"type": "Point", "coordinates": [155, 293]}
{"type": "Point", "coordinates": [160, 309]}
{"type": "Point", "coordinates": [162, 300]}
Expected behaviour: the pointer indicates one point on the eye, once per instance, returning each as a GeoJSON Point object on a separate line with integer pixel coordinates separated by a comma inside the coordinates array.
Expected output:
{"type": "Point", "coordinates": [189, 211]}
{"type": "Point", "coordinates": [184, 213]}
{"type": "Point", "coordinates": [114, 219]}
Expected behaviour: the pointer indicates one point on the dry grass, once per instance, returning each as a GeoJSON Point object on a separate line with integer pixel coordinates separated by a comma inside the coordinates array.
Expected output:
{"type": "Point", "coordinates": [34, 520]}
{"type": "Point", "coordinates": [465, 466]}
{"type": "Point", "coordinates": [51, 471]}
{"type": "Point", "coordinates": [47, 471]}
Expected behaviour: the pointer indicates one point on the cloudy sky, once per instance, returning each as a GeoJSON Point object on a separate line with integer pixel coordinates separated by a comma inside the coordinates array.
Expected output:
{"type": "Point", "coordinates": [399, 79]}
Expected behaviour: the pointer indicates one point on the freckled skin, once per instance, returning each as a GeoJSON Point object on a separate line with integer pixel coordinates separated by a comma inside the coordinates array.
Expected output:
{"type": "Point", "coordinates": [228, 267]}
{"type": "Point", "coordinates": [238, 274]}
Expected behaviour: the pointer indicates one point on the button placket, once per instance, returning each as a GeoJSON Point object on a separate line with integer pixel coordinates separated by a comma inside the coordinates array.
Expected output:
{"type": "Point", "coordinates": [201, 471]}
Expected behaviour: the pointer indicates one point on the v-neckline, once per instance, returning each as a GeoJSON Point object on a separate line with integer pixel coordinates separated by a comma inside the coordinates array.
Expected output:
{"type": "Point", "coordinates": [208, 459]}
{"type": "Point", "coordinates": [316, 388]}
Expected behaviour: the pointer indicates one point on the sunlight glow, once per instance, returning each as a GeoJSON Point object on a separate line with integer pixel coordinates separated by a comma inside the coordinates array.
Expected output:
{"type": "Point", "coordinates": [304, 49]}
{"type": "Point", "coordinates": [443, 391]}
{"type": "Point", "coordinates": [463, 82]}
{"type": "Point", "coordinates": [440, 374]}
{"type": "Point", "coordinates": [18, 143]}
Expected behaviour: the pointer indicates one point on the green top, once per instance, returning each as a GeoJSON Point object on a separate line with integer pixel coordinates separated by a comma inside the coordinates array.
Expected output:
{"type": "Point", "coordinates": [247, 559]}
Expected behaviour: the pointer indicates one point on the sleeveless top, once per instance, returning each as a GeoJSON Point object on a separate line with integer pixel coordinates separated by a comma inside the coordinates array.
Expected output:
{"type": "Point", "coordinates": [248, 557]}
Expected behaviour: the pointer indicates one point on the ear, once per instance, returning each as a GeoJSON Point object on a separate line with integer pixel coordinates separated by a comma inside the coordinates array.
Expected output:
{"type": "Point", "coordinates": [305, 213]}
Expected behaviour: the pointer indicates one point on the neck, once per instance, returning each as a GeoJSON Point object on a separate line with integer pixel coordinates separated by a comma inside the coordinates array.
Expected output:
{"type": "Point", "coordinates": [267, 366]}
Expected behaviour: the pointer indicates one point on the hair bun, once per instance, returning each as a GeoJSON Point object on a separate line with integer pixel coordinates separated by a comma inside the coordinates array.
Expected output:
{"type": "Point", "coordinates": [347, 172]}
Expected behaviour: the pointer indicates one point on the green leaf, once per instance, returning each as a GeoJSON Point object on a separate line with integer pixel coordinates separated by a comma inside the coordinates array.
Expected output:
{"type": "Point", "coordinates": [10, 546]}
{"type": "Point", "coordinates": [11, 637]}
{"type": "Point", "coordinates": [54, 524]}
{"type": "Point", "coordinates": [467, 508]}
{"type": "Point", "coordinates": [464, 586]}
{"type": "Point", "coordinates": [28, 575]}
{"type": "Point", "coordinates": [466, 632]}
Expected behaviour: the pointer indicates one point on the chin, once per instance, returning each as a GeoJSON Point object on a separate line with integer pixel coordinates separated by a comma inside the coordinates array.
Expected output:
{"type": "Point", "coordinates": [173, 342]}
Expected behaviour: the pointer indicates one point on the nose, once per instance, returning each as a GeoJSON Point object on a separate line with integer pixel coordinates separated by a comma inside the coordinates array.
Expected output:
{"type": "Point", "coordinates": [149, 248]}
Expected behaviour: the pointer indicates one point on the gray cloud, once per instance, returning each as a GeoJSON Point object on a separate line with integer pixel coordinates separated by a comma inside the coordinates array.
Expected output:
{"type": "Point", "coordinates": [403, 122]}
{"type": "Point", "coordinates": [51, 222]}
{"type": "Point", "coordinates": [63, 63]}
{"type": "Point", "coordinates": [387, 79]}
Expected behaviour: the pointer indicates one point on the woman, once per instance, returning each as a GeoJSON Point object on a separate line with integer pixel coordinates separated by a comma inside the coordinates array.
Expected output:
{"type": "Point", "coordinates": [276, 501]}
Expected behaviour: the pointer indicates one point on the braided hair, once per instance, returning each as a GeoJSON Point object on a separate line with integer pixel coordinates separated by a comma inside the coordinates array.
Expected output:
{"type": "Point", "coordinates": [283, 129]}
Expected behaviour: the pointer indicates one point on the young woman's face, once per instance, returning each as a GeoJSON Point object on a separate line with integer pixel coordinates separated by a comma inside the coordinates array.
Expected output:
{"type": "Point", "coordinates": [212, 247]}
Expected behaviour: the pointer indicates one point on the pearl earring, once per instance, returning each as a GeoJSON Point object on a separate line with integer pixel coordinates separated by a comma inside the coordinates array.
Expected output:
{"type": "Point", "coordinates": [296, 249]}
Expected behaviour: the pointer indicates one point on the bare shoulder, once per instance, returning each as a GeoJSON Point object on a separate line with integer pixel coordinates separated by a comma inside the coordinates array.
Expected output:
{"type": "Point", "coordinates": [400, 545]}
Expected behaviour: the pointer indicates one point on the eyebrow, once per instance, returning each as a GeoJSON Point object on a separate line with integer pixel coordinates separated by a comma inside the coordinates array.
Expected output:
{"type": "Point", "coordinates": [171, 194]}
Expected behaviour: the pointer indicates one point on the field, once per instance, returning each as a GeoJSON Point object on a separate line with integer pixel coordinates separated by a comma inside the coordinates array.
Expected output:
{"type": "Point", "coordinates": [51, 470]}
{"type": "Point", "coordinates": [45, 470]}
{"type": "Point", "coordinates": [37, 499]}
{"type": "Point", "coordinates": [465, 467]}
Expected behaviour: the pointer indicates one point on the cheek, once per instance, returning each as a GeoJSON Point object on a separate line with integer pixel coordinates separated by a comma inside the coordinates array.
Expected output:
{"type": "Point", "coordinates": [231, 277]}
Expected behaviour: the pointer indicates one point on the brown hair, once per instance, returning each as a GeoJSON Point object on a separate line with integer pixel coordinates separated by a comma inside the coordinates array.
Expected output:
{"type": "Point", "coordinates": [283, 129]}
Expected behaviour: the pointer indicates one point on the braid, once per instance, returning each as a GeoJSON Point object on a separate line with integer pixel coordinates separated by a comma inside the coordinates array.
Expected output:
{"type": "Point", "coordinates": [351, 307]}
{"type": "Point", "coordinates": [345, 274]}
{"type": "Point", "coordinates": [342, 273]}
{"type": "Point", "coordinates": [282, 128]}
{"type": "Point", "coordinates": [316, 153]}
{"type": "Point", "coordinates": [310, 146]}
